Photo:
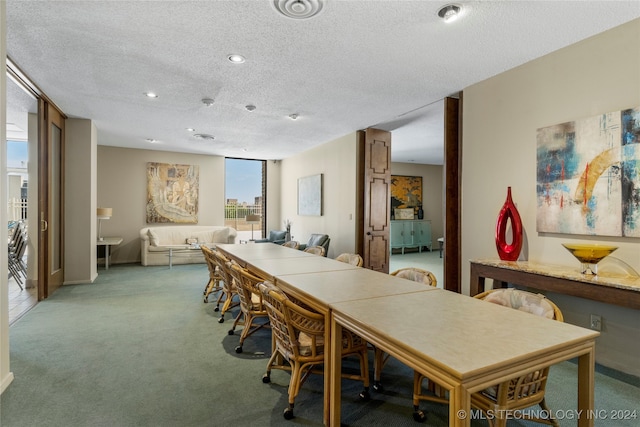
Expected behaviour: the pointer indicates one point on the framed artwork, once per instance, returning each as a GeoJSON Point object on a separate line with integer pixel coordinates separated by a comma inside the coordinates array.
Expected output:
{"type": "Point", "coordinates": [406, 192]}
{"type": "Point", "coordinates": [172, 193]}
{"type": "Point", "coordinates": [588, 176]}
{"type": "Point", "coordinates": [310, 195]}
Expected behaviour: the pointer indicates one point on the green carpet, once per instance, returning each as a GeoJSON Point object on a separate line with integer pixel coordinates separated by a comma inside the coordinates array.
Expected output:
{"type": "Point", "coordinates": [140, 348]}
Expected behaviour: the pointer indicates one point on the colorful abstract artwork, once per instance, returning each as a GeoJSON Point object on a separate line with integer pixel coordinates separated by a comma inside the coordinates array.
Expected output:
{"type": "Point", "coordinates": [172, 193]}
{"type": "Point", "coordinates": [588, 176]}
{"type": "Point", "coordinates": [406, 192]}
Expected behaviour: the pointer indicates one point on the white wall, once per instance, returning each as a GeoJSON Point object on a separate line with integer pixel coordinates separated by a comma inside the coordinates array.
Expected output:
{"type": "Point", "coordinates": [336, 160]}
{"type": "Point", "coordinates": [122, 186]}
{"type": "Point", "coordinates": [501, 116]}
{"type": "Point", "coordinates": [432, 193]}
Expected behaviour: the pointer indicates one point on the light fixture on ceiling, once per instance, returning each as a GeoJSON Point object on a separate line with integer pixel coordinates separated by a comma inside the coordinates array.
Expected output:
{"type": "Point", "coordinates": [151, 140]}
{"type": "Point", "coordinates": [204, 136]}
{"type": "Point", "coordinates": [450, 12]}
{"type": "Point", "coordinates": [151, 94]}
{"type": "Point", "coordinates": [294, 116]}
{"type": "Point", "coordinates": [250, 107]}
{"type": "Point", "coordinates": [236, 59]}
{"type": "Point", "coordinates": [298, 9]}
{"type": "Point", "coordinates": [208, 101]}
{"type": "Point", "coordinates": [190, 129]}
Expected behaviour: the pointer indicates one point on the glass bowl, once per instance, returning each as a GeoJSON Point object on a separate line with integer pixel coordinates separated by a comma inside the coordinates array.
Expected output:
{"type": "Point", "coordinates": [589, 255]}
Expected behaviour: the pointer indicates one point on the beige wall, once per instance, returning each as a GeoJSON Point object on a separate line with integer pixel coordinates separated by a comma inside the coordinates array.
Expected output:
{"type": "Point", "coordinates": [80, 203]}
{"type": "Point", "coordinates": [336, 160]}
{"type": "Point", "coordinates": [432, 193]}
{"type": "Point", "coordinates": [6, 376]}
{"type": "Point", "coordinates": [122, 186]}
{"type": "Point", "coordinates": [501, 115]}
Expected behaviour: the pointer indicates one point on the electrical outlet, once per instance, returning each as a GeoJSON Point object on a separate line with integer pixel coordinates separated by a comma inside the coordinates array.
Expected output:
{"type": "Point", "coordinates": [596, 322]}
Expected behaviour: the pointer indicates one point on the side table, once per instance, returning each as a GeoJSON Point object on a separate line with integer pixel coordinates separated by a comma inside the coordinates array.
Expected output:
{"type": "Point", "coordinates": [107, 242]}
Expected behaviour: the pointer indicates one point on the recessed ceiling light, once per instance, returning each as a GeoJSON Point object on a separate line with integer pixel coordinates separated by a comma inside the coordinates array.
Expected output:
{"type": "Point", "coordinates": [450, 12]}
{"type": "Point", "coordinates": [298, 9]}
{"type": "Point", "coordinates": [151, 94]}
{"type": "Point", "coordinates": [208, 101]}
{"type": "Point", "coordinates": [250, 107]}
{"type": "Point", "coordinates": [191, 130]}
{"type": "Point", "coordinates": [294, 116]}
{"type": "Point", "coordinates": [236, 59]}
{"type": "Point", "coordinates": [151, 140]}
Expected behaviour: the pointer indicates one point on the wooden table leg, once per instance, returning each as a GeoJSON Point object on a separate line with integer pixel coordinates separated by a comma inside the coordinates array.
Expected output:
{"type": "Point", "coordinates": [334, 374]}
{"type": "Point", "coordinates": [459, 407]}
{"type": "Point", "coordinates": [586, 385]}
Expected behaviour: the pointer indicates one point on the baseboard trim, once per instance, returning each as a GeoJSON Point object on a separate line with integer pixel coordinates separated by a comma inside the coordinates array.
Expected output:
{"type": "Point", "coordinates": [6, 381]}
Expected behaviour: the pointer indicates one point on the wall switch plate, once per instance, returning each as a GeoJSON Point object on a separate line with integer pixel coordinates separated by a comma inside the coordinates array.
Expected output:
{"type": "Point", "coordinates": [596, 322]}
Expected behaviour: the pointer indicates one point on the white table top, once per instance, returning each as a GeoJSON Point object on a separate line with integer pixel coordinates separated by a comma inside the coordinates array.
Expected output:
{"type": "Point", "coordinates": [345, 285]}
{"type": "Point", "coordinates": [463, 335]}
{"type": "Point", "coordinates": [109, 241]}
{"type": "Point", "coordinates": [273, 267]}
{"type": "Point", "coordinates": [253, 251]}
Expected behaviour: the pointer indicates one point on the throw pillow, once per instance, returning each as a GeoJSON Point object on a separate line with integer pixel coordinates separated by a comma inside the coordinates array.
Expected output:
{"type": "Point", "coordinates": [221, 236]}
{"type": "Point", "coordinates": [153, 238]}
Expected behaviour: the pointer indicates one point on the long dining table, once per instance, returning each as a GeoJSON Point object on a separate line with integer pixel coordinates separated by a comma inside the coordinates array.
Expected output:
{"type": "Point", "coordinates": [463, 344]}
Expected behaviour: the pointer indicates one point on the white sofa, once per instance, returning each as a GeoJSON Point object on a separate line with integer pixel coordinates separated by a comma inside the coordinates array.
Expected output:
{"type": "Point", "coordinates": [179, 244]}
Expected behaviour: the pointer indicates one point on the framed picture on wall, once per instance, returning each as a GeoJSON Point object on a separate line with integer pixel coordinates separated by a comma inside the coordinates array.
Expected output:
{"type": "Point", "coordinates": [406, 192]}
{"type": "Point", "coordinates": [310, 195]}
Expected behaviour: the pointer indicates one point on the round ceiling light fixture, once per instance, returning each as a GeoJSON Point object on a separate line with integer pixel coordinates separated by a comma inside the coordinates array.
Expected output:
{"type": "Point", "coordinates": [208, 101]}
{"type": "Point", "coordinates": [450, 12]}
{"type": "Point", "coordinates": [298, 9]}
{"type": "Point", "coordinates": [236, 59]}
{"type": "Point", "coordinates": [250, 107]}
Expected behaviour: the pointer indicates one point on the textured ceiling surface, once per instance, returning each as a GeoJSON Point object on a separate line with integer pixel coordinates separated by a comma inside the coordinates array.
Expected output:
{"type": "Point", "coordinates": [357, 64]}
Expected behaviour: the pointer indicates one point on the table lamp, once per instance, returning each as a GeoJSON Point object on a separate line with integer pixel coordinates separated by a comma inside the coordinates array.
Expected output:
{"type": "Point", "coordinates": [252, 219]}
{"type": "Point", "coordinates": [103, 213]}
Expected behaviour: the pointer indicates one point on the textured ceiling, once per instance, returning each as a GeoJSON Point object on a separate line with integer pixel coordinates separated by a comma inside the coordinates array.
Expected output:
{"type": "Point", "coordinates": [357, 64]}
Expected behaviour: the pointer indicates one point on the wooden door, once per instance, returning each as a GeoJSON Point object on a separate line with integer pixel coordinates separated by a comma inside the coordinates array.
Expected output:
{"type": "Point", "coordinates": [50, 199]}
{"type": "Point", "coordinates": [453, 170]}
{"type": "Point", "coordinates": [374, 175]}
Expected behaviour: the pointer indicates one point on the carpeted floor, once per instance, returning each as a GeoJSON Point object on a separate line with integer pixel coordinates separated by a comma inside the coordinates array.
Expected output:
{"type": "Point", "coordinates": [140, 348]}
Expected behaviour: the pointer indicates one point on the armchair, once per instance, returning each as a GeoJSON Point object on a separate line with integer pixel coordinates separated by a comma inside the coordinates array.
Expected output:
{"type": "Point", "coordinates": [317, 240]}
{"type": "Point", "coordinates": [275, 236]}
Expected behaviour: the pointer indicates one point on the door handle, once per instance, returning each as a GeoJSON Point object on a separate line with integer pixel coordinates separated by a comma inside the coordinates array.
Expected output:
{"type": "Point", "coordinates": [45, 225]}
{"type": "Point", "coordinates": [368, 233]}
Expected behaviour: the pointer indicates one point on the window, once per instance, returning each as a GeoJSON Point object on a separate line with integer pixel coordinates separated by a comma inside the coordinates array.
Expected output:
{"type": "Point", "coordinates": [245, 197]}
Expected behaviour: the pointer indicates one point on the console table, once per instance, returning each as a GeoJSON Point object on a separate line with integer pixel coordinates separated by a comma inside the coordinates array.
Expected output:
{"type": "Point", "coordinates": [611, 289]}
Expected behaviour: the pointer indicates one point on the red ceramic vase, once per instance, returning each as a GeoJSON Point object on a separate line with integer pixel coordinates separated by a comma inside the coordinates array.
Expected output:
{"type": "Point", "coordinates": [506, 251]}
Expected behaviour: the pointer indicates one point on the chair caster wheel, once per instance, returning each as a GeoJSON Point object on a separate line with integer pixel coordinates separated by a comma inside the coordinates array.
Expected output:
{"type": "Point", "coordinates": [216, 309]}
{"type": "Point", "coordinates": [266, 379]}
{"type": "Point", "coordinates": [378, 387]}
{"type": "Point", "coordinates": [238, 349]}
{"type": "Point", "coordinates": [230, 332]}
{"type": "Point", "coordinates": [221, 320]}
{"type": "Point", "coordinates": [364, 395]}
{"type": "Point", "coordinates": [288, 414]}
{"type": "Point", "coordinates": [419, 416]}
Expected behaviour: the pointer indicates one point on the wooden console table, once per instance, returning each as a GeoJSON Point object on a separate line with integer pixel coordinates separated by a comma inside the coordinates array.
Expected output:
{"type": "Point", "coordinates": [618, 290]}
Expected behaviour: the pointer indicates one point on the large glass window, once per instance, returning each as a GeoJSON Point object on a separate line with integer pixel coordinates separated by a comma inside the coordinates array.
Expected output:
{"type": "Point", "coordinates": [245, 197]}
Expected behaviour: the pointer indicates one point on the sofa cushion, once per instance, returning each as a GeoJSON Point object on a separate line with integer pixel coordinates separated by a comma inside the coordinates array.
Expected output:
{"type": "Point", "coordinates": [275, 235]}
{"type": "Point", "coordinates": [154, 240]}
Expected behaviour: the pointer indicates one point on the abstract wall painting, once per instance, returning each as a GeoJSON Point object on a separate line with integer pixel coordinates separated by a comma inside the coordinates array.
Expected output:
{"type": "Point", "coordinates": [406, 192]}
{"type": "Point", "coordinates": [310, 195]}
{"type": "Point", "coordinates": [588, 176]}
{"type": "Point", "coordinates": [172, 193]}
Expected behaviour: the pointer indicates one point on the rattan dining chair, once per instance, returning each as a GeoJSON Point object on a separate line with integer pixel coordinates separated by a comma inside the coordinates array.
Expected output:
{"type": "Point", "coordinates": [501, 400]}
{"type": "Point", "coordinates": [410, 273]}
{"type": "Point", "coordinates": [316, 250]}
{"type": "Point", "coordinates": [298, 333]}
{"type": "Point", "coordinates": [229, 290]}
{"type": "Point", "coordinates": [353, 259]}
{"type": "Point", "coordinates": [213, 285]}
{"type": "Point", "coordinates": [291, 244]}
{"type": "Point", "coordinates": [252, 315]}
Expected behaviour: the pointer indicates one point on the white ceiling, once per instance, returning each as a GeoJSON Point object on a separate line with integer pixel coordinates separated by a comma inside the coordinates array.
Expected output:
{"type": "Point", "coordinates": [358, 64]}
